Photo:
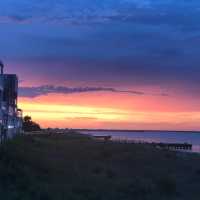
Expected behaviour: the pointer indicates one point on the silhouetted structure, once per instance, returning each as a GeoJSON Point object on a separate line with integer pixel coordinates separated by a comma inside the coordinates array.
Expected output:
{"type": "Point", "coordinates": [10, 115]}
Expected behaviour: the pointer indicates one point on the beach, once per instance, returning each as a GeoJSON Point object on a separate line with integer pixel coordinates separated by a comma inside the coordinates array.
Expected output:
{"type": "Point", "coordinates": [76, 166]}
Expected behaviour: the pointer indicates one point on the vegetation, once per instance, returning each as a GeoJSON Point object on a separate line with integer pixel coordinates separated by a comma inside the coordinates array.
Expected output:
{"type": "Point", "coordinates": [75, 167]}
{"type": "Point", "coordinates": [29, 125]}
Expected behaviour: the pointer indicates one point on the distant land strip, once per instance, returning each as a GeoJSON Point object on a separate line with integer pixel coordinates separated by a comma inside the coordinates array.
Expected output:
{"type": "Point", "coordinates": [125, 130]}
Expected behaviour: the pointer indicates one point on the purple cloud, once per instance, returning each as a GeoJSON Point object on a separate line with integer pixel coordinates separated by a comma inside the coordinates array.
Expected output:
{"type": "Point", "coordinates": [48, 89]}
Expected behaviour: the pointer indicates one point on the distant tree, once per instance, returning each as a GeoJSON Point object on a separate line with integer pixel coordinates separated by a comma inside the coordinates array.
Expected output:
{"type": "Point", "coordinates": [29, 125]}
{"type": "Point", "coordinates": [27, 119]}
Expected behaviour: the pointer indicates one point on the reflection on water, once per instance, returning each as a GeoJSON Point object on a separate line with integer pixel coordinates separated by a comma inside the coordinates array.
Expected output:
{"type": "Point", "coordinates": [157, 136]}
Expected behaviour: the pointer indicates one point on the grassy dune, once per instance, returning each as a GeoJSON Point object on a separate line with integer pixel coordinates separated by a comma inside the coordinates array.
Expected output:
{"type": "Point", "coordinates": [75, 167]}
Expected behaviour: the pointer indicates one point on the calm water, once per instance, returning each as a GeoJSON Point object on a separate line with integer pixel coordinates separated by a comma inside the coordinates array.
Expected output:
{"type": "Point", "coordinates": [162, 136]}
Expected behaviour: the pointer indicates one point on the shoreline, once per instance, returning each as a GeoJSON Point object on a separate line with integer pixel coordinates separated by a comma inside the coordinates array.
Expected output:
{"type": "Point", "coordinates": [165, 145]}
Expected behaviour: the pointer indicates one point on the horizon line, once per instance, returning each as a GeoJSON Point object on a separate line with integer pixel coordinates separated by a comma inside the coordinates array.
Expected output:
{"type": "Point", "coordinates": [126, 130]}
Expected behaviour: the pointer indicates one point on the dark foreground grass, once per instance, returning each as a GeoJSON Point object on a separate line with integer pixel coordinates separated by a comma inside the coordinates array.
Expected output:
{"type": "Point", "coordinates": [74, 167]}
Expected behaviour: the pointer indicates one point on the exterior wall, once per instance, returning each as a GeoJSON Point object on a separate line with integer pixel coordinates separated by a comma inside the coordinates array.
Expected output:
{"type": "Point", "coordinates": [10, 118]}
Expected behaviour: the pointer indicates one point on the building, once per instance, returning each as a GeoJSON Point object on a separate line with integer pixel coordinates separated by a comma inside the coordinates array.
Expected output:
{"type": "Point", "coordinates": [10, 115]}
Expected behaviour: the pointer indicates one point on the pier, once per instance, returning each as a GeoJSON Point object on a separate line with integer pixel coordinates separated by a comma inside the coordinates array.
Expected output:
{"type": "Point", "coordinates": [170, 146]}
{"type": "Point", "coordinates": [174, 146]}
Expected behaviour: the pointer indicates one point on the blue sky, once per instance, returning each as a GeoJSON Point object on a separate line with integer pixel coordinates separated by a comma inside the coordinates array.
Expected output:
{"type": "Point", "coordinates": [140, 42]}
{"type": "Point", "coordinates": [131, 64]}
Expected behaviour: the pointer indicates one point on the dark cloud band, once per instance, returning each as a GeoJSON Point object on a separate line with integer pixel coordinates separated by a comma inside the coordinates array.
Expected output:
{"type": "Point", "coordinates": [32, 92]}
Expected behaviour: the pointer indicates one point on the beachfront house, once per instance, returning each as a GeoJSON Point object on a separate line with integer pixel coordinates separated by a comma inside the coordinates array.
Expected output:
{"type": "Point", "coordinates": [10, 115]}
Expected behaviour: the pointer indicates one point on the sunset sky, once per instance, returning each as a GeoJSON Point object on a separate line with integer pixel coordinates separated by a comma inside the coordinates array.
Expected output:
{"type": "Point", "coordinates": [111, 64]}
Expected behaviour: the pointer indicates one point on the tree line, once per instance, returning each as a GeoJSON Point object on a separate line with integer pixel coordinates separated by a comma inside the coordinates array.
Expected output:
{"type": "Point", "coordinates": [29, 125]}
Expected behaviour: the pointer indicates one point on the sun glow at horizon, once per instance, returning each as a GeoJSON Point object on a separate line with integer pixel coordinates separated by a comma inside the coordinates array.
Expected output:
{"type": "Point", "coordinates": [50, 114]}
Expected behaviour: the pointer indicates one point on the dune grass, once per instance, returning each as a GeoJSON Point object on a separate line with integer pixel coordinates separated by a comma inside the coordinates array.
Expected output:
{"type": "Point", "coordinates": [76, 167]}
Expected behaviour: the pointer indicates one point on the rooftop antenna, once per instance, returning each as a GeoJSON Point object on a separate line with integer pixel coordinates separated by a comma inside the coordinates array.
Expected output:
{"type": "Point", "coordinates": [1, 66]}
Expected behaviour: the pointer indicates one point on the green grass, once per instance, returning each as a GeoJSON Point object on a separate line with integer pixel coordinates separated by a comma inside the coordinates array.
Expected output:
{"type": "Point", "coordinates": [75, 167]}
